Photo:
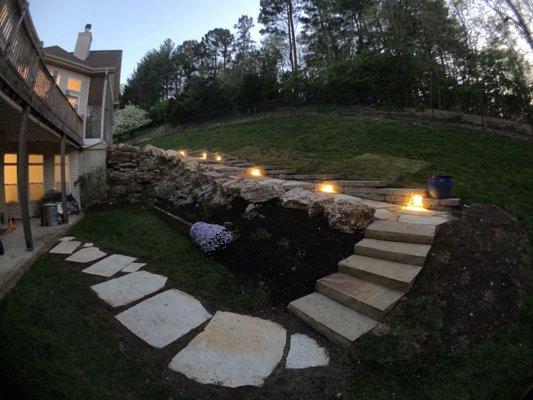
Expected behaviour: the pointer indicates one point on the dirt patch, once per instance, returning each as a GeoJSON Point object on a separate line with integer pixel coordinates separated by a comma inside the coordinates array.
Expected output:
{"type": "Point", "coordinates": [478, 269]}
{"type": "Point", "coordinates": [282, 251]}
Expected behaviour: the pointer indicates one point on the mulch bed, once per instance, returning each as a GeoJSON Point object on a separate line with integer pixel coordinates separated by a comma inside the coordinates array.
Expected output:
{"type": "Point", "coordinates": [282, 251]}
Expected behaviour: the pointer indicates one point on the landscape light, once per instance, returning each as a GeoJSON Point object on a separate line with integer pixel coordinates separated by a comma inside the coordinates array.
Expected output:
{"type": "Point", "coordinates": [327, 187]}
{"type": "Point", "coordinates": [182, 153]}
{"type": "Point", "coordinates": [204, 156]}
{"type": "Point", "coordinates": [255, 171]}
{"type": "Point", "coordinates": [218, 157]}
{"type": "Point", "coordinates": [415, 203]}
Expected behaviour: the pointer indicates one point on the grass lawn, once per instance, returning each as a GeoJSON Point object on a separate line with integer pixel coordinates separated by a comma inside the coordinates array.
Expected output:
{"type": "Point", "coordinates": [57, 340]}
{"type": "Point", "coordinates": [487, 168]}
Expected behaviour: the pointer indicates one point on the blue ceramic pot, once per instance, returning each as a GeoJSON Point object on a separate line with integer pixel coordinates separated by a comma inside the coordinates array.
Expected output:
{"type": "Point", "coordinates": [440, 186]}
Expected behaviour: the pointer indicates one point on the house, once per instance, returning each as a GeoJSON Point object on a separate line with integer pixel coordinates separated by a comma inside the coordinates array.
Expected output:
{"type": "Point", "coordinates": [56, 113]}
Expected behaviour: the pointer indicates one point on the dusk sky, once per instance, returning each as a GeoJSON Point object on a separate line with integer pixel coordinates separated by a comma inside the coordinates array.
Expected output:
{"type": "Point", "coordinates": [135, 26]}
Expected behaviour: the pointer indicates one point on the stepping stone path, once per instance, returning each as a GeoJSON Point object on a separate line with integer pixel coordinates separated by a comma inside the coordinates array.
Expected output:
{"type": "Point", "coordinates": [87, 254]}
{"type": "Point", "coordinates": [134, 267]}
{"type": "Point", "coordinates": [234, 350]}
{"type": "Point", "coordinates": [369, 283]}
{"type": "Point", "coordinates": [305, 353]}
{"type": "Point", "coordinates": [164, 318]}
{"type": "Point", "coordinates": [65, 247]}
{"type": "Point", "coordinates": [129, 288]}
{"type": "Point", "coordinates": [109, 266]}
{"type": "Point", "coordinates": [67, 238]}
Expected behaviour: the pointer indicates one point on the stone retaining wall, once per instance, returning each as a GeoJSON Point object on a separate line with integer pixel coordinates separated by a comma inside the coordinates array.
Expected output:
{"type": "Point", "coordinates": [142, 176]}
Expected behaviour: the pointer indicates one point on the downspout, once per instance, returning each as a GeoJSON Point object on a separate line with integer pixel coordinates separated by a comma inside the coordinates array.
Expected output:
{"type": "Point", "coordinates": [102, 122]}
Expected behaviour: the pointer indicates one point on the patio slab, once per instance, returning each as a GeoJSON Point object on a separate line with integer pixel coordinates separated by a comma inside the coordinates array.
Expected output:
{"type": "Point", "coordinates": [127, 289]}
{"type": "Point", "coordinates": [134, 267]}
{"type": "Point", "coordinates": [67, 238]}
{"type": "Point", "coordinates": [109, 266]}
{"type": "Point", "coordinates": [86, 255]}
{"type": "Point", "coordinates": [234, 350]}
{"type": "Point", "coordinates": [305, 352]}
{"type": "Point", "coordinates": [164, 318]}
{"type": "Point", "coordinates": [66, 247]}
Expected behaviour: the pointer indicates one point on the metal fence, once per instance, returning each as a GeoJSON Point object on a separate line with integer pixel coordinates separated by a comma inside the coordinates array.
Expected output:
{"type": "Point", "coordinates": [350, 104]}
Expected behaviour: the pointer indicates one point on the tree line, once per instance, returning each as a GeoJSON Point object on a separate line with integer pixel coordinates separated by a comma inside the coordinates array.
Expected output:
{"type": "Point", "coordinates": [445, 54]}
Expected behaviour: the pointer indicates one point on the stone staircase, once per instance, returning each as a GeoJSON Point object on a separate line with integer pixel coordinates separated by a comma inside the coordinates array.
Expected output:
{"type": "Point", "coordinates": [369, 283]}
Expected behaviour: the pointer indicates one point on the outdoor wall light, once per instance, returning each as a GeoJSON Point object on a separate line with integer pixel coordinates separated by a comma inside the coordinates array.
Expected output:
{"type": "Point", "coordinates": [255, 171]}
{"type": "Point", "coordinates": [327, 187]}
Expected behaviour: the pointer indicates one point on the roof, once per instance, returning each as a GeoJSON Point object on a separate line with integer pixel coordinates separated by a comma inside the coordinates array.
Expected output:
{"type": "Point", "coordinates": [97, 59]}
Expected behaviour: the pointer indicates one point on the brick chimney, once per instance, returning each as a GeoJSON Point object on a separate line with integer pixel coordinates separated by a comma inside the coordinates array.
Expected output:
{"type": "Point", "coordinates": [83, 45]}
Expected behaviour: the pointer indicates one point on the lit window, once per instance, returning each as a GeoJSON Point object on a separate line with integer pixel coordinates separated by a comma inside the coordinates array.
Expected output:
{"type": "Point", "coordinates": [57, 172]}
{"type": "Point", "coordinates": [74, 101]}
{"type": "Point", "coordinates": [74, 85]}
{"type": "Point", "coordinates": [35, 177]}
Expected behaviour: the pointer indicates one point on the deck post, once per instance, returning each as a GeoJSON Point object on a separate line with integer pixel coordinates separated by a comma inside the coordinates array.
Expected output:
{"type": "Point", "coordinates": [22, 176]}
{"type": "Point", "coordinates": [64, 179]}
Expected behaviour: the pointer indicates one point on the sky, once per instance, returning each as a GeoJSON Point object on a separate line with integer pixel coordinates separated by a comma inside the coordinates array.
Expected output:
{"type": "Point", "coordinates": [135, 26]}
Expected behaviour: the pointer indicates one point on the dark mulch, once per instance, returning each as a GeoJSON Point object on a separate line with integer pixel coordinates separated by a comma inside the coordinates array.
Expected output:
{"type": "Point", "coordinates": [281, 250]}
{"type": "Point", "coordinates": [478, 269]}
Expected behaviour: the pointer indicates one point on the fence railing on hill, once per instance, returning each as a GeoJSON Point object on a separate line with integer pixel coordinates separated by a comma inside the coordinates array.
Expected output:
{"type": "Point", "coordinates": [352, 104]}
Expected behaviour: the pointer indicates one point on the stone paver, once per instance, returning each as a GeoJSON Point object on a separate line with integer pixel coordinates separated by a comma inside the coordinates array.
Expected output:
{"type": "Point", "coordinates": [109, 266]}
{"type": "Point", "coordinates": [305, 352]}
{"type": "Point", "coordinates": [134, 267]}
{"type": "Point", "coordinates": [86, 255]}
{"type": "Point", "coordinates": [234, 350]}
{"type": "Point", "coordinates": [127, 289]}
{"type": "Point", "coordinates": [88, 245]}
{"type": "Point", "coordinates": [66, 247]}
{"type": "Point", "coordinates": [417, 219]}
{"type": "Point", "coordinates": [164, 318]}
{"type": "Point", "coordinates": [67, 238]}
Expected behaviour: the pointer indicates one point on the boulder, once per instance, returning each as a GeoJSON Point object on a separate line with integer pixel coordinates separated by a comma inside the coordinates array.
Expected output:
{"type": "Point", "coordinates": [348, 216]}
{"type": "Point", "coordinates": [312, 202]}
{"type": "Point", "coordinates": [260, 192]}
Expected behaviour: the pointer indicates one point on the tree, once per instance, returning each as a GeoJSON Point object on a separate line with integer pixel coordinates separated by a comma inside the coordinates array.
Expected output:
{"type": "Point", "coordinates": [217, 44]}
{"type": "Point", "coordinates": [518, 13]}
{"type": "Point", "coordinates": [243, 44]}
{"type": "Point", "coordinates": [128, 118]}
{"type": "Point", "coordinates": [278, 17]}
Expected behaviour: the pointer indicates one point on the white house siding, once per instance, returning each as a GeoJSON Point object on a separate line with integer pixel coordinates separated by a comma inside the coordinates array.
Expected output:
{"type": "Point", "coordinates": [63, 81]}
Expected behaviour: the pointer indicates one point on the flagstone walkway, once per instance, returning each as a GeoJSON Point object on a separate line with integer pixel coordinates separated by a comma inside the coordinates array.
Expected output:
{"type": "Point", "coordinates": [233, 350]}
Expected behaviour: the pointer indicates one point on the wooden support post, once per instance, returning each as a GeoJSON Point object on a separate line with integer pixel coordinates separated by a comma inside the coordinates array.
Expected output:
{"type": "Point", "coordinates": [64, 179]}
{"type": "Point", "coordinates": [22, 176]}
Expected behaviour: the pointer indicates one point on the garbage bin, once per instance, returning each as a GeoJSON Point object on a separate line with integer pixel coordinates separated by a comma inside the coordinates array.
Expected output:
{"type": "Point", "coordinates": [49, 214]}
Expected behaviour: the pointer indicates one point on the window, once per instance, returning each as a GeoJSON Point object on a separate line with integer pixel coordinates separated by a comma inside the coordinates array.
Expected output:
{"type": "Point", "coordinates": [58, 79]}
{"type": "Point", "coordinates": [57, 172]}
{"type": "Point", "coordinates": [74, 85]}
{"type": "Point", "coordinates": [35, 177]}
{"type": "Point", "coordinates": [74, 101]}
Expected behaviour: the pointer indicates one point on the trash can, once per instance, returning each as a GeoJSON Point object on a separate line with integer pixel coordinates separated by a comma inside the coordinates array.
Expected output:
{"type": "Point", "coordinates": [49, 214]}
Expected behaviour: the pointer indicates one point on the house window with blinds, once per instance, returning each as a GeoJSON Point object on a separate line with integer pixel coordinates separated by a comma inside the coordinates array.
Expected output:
{"type": "Point", "coordinates": [35, 177]}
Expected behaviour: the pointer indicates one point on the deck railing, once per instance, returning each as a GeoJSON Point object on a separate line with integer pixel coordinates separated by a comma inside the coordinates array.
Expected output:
{"type": "Point", "coordinates": [23, 70]}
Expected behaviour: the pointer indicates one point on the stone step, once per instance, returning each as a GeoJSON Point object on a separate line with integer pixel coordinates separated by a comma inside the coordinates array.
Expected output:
{"type": "Point", "coordinates": [338, 323]}
{"type": "Point", "coordinates": [401, 232]}
{"type": "Point", "coordinates": [406, 253]}
{"type": "Point", "coordinates": [362, 296]}
{"type": "Point", "coordinates": [386, 273]}
{"type": "Point", "coordinates": [362, 184]}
